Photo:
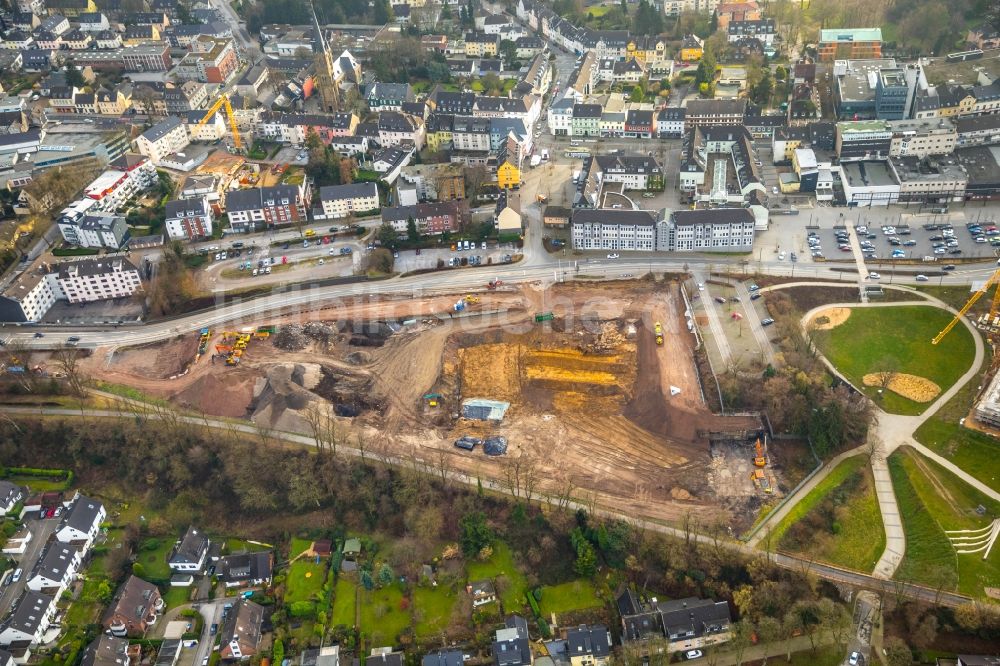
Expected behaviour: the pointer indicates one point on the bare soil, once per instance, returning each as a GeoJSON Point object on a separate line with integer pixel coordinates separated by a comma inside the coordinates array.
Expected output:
{"type": "Point", "coordinates": [590, 391]}
{"type": "Point", "coordinates": [830, 318]}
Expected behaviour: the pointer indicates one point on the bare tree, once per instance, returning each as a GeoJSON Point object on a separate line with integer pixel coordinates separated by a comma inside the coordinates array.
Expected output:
{"type": "Point", "coordinates": [322, 423]}
{"type": "Point", "coordinates": [886, 371]}
{"type": "Point", "coordinates": [68, 361]}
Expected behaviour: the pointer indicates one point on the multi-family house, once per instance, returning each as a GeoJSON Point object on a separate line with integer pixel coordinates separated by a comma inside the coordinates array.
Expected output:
{"type": "Point", "coordinates": [586, 120]}
{"type": "Point", "coordinates": [396, 128]}
{"type": "Point", "coordinates": [388, 96]}
{"type": "Point", "coordinates": [166, 137]}
{"type": "Point", "coordinates": [189, 219]}
{"type": "Point", "coordinates": [55, 569]}
{"type": "Point", "coordinates": [480, 44]}
{"type": "Point", "coordinates": [430, 218]}
{"type": "Point", "coordinates": [338, 201]}
{"type": "Point", "coordinates": [268, 207]}
{"type": "Point", "coordinates": [190, 553]}
{"type": "Point", "coordinates": [81, 522]}
{"type": "Point", "coordinates": [91, 280]}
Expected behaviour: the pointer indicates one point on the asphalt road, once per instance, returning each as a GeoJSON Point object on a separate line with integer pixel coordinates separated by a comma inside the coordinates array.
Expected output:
{"type": "Point", "coordinates": [41, 530]}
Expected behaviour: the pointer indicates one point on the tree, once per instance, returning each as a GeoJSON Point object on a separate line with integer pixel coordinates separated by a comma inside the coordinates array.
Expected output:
{"type": "Point", "coordinates": [769, 631]}
{"type": "Point", "coordinates": [382, 13]}
{"type": "Point", "coordinates": [740, 640]}
{"type": "Point", "coordinates": [885, 371]}
{"type": "Point", "coordinates": [475, 533]}
{"type": "Point", "coordinates": [385, 575]}
{"type": "Point", "coordinates": [74, 77]}
{"type": "Point", "coordinates": [68, 361]}
{"type": "Point", "coordinates": [411, 230]}
{"type": "Point", "coordinates": [586, 560]}
{"type": "Point", "coordinates": [138, 570]}
{"type": "Point", "coordinates": [835, 618]}
{"type": "Point", "coordinates": [897, 653]}
{"type": "Point", "coordinates": [366, 580]}
{"type": "Point", "coordinates": [278, 652]}
{"type": "Point", "coordinates": [386, 235]}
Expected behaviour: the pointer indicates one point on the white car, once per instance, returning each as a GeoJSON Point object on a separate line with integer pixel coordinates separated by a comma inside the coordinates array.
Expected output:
{"type": "Point", "coordinates": [874, 276]}
{"type": "Point", "coordinates": [781, 256]}
{"type": "Point", "coordinates": [853, 661]}
{"type": "Point", "coordinates": [921, 278]}
{"type": "Point", "coordinates": [693, 654]}
{"type": "Point", "coordinates": [613, 255]}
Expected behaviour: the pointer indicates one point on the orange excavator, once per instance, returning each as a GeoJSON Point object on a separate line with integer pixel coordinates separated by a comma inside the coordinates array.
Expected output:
{"type": "Point", "coordinates": [760, 460]}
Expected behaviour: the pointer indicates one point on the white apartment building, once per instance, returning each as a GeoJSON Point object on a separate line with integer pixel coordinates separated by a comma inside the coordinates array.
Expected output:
{"type": "Point", "coordinates": [709, 230]}
{"type": "Point", "coordinates": [98, 279]}
{"type": "Point", "coordinates": [614, 229]}
{"type": "Point", "coordinates": [922, 137]}
{"type": "Point", "coordinates": [165, 137]}
{"type": "Point", "coordinates": [339, 201]}
{"type": "Point", "coordinates": [188, 219]}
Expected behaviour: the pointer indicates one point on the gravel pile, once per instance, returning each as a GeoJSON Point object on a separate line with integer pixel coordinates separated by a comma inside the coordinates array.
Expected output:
{"type": "Point", "coordinates": [290, 338]}
{"type": "Point", "coordinates": [319, 331]}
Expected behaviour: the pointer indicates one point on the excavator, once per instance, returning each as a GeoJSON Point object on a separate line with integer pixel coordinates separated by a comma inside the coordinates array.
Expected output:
{"type": "Point", "coordinates": [760, 460]}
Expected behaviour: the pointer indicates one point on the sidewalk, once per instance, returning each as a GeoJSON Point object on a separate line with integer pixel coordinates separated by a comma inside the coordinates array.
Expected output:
{"type": "Point", "coordinates": [775, 651]}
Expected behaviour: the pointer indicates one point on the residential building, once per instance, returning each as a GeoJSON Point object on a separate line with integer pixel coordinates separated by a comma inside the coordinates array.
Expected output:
{"type": "Point", "coordinates": [190, 552]}
{"type": "Point", "coordinates": [111, 651]}
{"type": "Point", "coordinates": [339, 201]}
{"type": "Point", "coordinates": [273, 206]}
{"type": "Point", "coordinates": [613, 229]}
{"type": "Point", "coordinates": [211, 60]}
{"type": "Point", "coordinates": [509, 165]}
{"type": "Point", "coordinates": [430, 218]}
{"type": "Point", "coordinates": [588, 645]}
{"type": "Point", "coordinates": [246, 569]}
{"type": "Point", "coordinates": [54, 570]}
{"type": "Point", "coordinates": [983, 37]}
{"type": "Point", "coordinates": [728, 12]}
{"type": "Point", "coordinates": [556, 217]}
{"type": "Point", "coordinates": [512, 646]}
{"type": "Point", "coordinates": [390, 161]}
{"type": "Point", "coordinates": [480, 44]}
{"type": "Point", "coordinates": [709, 230]}
{"type": "Point", "coordinates": [31, 616]}
{"type": "Point", "coordinates": [93, 228]}
{"type": "Point", "coordinates": [685, 623]}
{"type": "Point", "coordinates": [396, 128]}
{"type": "Point", "coordinates": [482, 592]}
{"type": "Point", "coordinates": [439, 658]}
{"type": "Point", "coordinates": [670, 123]}
{"type": "Point", "coordinates": [634, 172]}
{"type": "Point", "coordinates": [153, 57]}
{"type": "Point", "coordinates": [97, 280]}
{"type": "Point", "coordinates": [435, 182]}
{"type": "Point", "coordinates": [10, 495]}
{"type": "Point", "coordinates": [324, 656]}
{"type": "Point", "coordinates": [923, 137]}
{"type": "Point", "coordinates": [763, 29]}
{"type": "Point", "coordinates": [189, 219]}
{"type": "Point", "coordinates": [977, 130]}
{"type": "Point", "coordinates": [388, 96]}
{"type": "Point", "coordinates": [134, 609]}
{"type": "Point", "coordinates": [164, 138]}
{"type": "Point", "coordinates": [28, 298]}
{"type": "Point", "coordinates": [849, 43]}
{"type": "Point", "coordinates": [586, 120]}
{"type": "Point", "coordinates": [82, 520]}
{"type": "Point", "coordinates": [240, 633]}
{"type": "Point", "coordinates": [709, 112]}
{"type": "Point", "coordinates": [472, 134]}
{"type": "Point", "coordinates": [507, 213]}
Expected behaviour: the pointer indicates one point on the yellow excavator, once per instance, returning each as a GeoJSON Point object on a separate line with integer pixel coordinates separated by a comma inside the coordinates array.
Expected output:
{"type": "Point", "coordinates": [223, 102]}
{"type": "Point", "coordinates": [991, 282]}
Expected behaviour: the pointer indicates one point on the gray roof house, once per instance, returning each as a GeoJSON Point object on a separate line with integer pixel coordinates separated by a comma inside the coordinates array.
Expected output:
{"type": "Point", "coordinates": [190, 552]}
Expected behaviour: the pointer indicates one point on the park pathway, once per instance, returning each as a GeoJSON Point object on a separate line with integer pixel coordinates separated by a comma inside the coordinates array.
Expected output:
{"type": "Point", "coordinates": [890, 432]}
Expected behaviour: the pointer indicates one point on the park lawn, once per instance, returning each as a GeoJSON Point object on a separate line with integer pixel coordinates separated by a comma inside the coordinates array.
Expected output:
{"type": "Point", "coordinates": [836, 476]}
{"type": "Point", "coordinates": [297, 546]}
{"type": "Point", "coordinates": [861, 540]}
{"type": "Point", "coordinates": [898, 338]}
{"type": "Point", "coordinates": [86, 608]}
{"type": "Point", "coordinates": [343, 602]}
{"type": "Point", "coordinates": [571, 596]}
{"type": "Point", "coordinates": [435, 606]}
{"type": "Point", "coordinates": [931, 500]}
{"type": "Point", "coordinates": [155, 561]}
{"type": "Point", "coordinates": [501, 565]}
{"type": "Point", "coordinates": [382, 615]}
{"type": "Point", "coordinates": [304, 581]}
{"type": "Point", "coordinates": [177, 596]}
{"type": "Point", "coordinates": [599, 10]}
{"type": "Point", "coordinates": [973, 451]}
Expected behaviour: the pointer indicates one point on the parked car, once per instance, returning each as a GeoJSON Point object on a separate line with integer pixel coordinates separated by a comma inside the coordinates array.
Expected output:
{"type": "Point", "coordinates": [613, 255]}
{"type": "Point", "coordinates": [855, 657]}
{"type": "Point", "coordinates": [693, 654]}
{"type": "Point", "coordinates": [468, 443]}
{"type": "Point", "coordinates": [766, 322]}
{"type": "Point", "coordinates": [874, 276]}
{"type": "Point", "coordinates": [720, 299]}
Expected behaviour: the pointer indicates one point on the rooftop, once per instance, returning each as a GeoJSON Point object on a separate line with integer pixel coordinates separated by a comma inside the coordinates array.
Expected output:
{"type": "Point", "coordinates": [868, 174]}
{"type": "Point", "coordinates": [851, 35]}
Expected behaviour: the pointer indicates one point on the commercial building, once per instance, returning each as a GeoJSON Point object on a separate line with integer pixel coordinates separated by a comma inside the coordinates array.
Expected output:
{"type": "Point", "coordinates": [845, 43]}
{"type": "Point", "coordinates": [709, 230]}
{"type": "Point", "coordinates": [613, 229]}
{"type": "Point", "coordinates": [338, 201]}
{"type": "Point", "coordinates": [923, 137]}
{"type": "Point", "coordinates": [869, 183]}
{"type": "Point", "coordinates": [863, 140]}
{"type": "Point", "coordinates": [939, 179]}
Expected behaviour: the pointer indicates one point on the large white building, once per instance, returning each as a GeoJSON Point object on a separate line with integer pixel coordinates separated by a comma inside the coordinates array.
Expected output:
{"type": "Point", "coordinates": [339, 201]}
{"type": "Point", "coordinates": [188, 219]}
{"type": "Point", "coordinates": [615, 229]}
{"type": "Point", "coordinates": [98, 279]}
{"type": "Point", "coordinates": [164, 138]}
{"type": "Point", "coordinates": [709, 230]}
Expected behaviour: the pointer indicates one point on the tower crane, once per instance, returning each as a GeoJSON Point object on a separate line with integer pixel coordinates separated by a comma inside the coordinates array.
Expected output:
{"type": "Point", "coordinates": [993, 280]}
{"type": "Point", "coordinates": [223, 102]}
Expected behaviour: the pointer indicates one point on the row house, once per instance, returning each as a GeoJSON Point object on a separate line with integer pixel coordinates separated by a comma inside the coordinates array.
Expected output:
{"type": "Point", "coordinates": [438, 131]}
{"type": "Point", "coordinates": [670, 122]}
{"type": "Point", "coordinates": [430, 218]}
{"type": "Point", "coordinates": [639, 124]}
{"type": "Point", "coordinates": [613, 229]}
{"type": "Point", "coordinates": [54, 570]}
{"type": "Point", "coordinates": [388, 96]}
{"type": "Point", "coordinates": [396, 128]}
{"type": "Point", "coordinates": [268, 207]}
{"type": "Point", "coordinates": [211, 130]}
{"type": "Point", "coordinates": [586, 120]}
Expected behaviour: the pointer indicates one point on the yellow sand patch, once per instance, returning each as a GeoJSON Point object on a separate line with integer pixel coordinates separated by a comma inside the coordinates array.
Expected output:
{"type": "Point", "coordinates": [570, 375]}
{"type": "Point", "coordinates": [830, 318]}
{"type": "Point", "coordinates": [911, 387]}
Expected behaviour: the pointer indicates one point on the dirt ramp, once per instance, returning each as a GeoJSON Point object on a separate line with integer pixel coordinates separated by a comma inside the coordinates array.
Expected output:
{"type": "Point", "coordinates": [224, 394]}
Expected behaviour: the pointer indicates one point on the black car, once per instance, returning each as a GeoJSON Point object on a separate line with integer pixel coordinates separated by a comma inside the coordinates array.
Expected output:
{"type": "Point", "coordinates": [467, 443]}
{"type": "Point", "coordinates": [754, 297]}
{"type": "Point", "coordinates": [949, 267]}
{"type": "Point", "coordinates": [766, 322]}
{"type": "Point", "coordinates": [957, 250]}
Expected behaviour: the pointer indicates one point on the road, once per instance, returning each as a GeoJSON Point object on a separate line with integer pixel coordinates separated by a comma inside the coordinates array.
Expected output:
{"type": "Point", "coordinates": [134, 410]}
{"type": "Point", "coordinates": [41, 530]}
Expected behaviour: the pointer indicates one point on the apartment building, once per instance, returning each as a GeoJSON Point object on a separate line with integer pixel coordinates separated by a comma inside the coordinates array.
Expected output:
{"type": "Point", "coordinates": [268, 207]}
{"type": "Point", "coordinates": [430, 218]}
{"type": "Point", "coordinates": [211, 60]}
{"type": "Point", "coordinates": [162, 139]}
{"type": "Point", "coordinates": [709, 230]}
{"type": "Point", "coordinates": [338, 201]}
{"type": "Point", "coordinates": [709, 112]}
{"type": "Point", "coordinates": [93, 229]}
{"type": "Point", "coordinates": [613, 229]}
{"type": "Point", "coordinates": [98, 279]}
{"type": "Point", "coordinates": [634, 172]}
{"type": "Point", "coordinates": [922, 137]}
{"type": "Point", "coordinates": [189, 219]}
{"type": "Point", "coordinates": [849, 44]}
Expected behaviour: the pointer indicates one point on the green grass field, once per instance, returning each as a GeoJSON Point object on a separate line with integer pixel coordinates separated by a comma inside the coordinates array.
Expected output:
{"type": "Point", "coordinates": [502, 565]}
{"type": "Point", "coordinates": [932, 500]}
{"type": "Point", "coordinates": [973, 451]}
{"type": "Point", "coordinates": [343, 602]}
{"type": "Point", "coordinates": [155, 561]}
{"type": "Point", "coordinates": [574, 595]}
{"type": "Point", "coordinates": [807, 503]}
{"type": "Point", "coordinates": [897, 338]}
{"type": "Point", "coordinates": [304, 581]}
{"type": "Point", "coordinates": [382, 617]}
{"type": "Point", "coordinates": [432, 609]}
{"type": "Point", "coordinates": [177, 596]}
{"type": "Point", "coordinates": [859, 538]}
{"type": "Point", "coordinates": [297, 546]}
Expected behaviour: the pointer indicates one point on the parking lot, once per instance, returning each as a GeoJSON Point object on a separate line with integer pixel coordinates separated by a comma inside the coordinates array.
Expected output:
{"type": "Point", "coordinates": [937, 243]}
{"type": "Point", "coordinates": [409, 260]}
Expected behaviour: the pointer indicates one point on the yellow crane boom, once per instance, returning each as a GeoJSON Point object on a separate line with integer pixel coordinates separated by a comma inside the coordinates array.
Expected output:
{"type": "Point", "coordinates": [992, 281]}
{"type": "Point", "coordinates": [223, 102]}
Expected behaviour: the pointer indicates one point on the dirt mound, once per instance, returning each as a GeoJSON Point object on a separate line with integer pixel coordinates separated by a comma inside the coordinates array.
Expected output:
{"type": "Point", "coordinates": [912, 387]}
{"type": "Point", "coordinates": [358, 358]}
{"type": "Point", "coordinates": [680, 494]}
{"type": "Point", "coordinates": [221, 394]}
{"type": "Point", "coordinates": [290, 338]}
{"type": "Point", "coordinates": [156, 361]}
{"type": "Point", "coordinates": [830, 318]}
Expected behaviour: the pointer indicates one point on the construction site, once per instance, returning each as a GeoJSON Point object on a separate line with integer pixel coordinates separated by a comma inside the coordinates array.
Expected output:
{"type": "Point", "coordinates": [595, 386]}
